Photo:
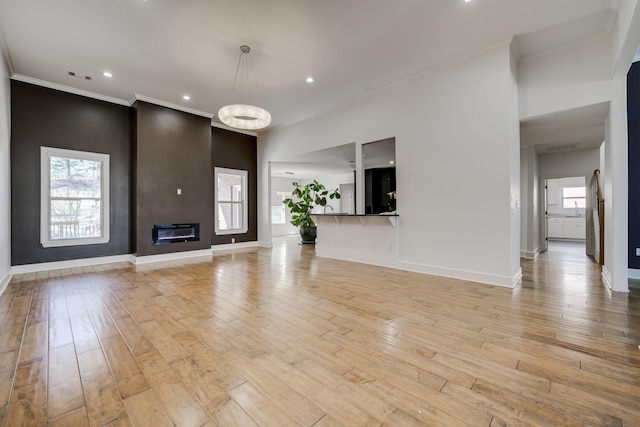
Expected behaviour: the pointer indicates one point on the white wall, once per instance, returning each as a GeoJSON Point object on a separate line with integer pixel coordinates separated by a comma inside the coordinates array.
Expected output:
{"type": "Point", "coordinates": [575, 76]}
{"type": "Point", "coordinates": [626, 12]}
{"type": "Point", "coordinates": [284, 185]}
{"type": "Point", "coordinates": [5, 177]}
{"type": "Point", "coordinates": [615, 269]}
{"type": "Point", "coordinates": [456, 139]}
{"type": "Point", "coordinates": [530, 220]}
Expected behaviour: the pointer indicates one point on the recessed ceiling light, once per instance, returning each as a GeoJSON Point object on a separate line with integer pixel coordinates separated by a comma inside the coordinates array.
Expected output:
{"type": "Point", "coordinates": [309, 79]}
{"type": "Point", "coordinates": [467, 1]}
{"type": "Point", "coordinates": [107, 74]}
{"type": "Point", "coordinates": [391, 162]}
{"type": "Point", "coordinates": [186, 97]}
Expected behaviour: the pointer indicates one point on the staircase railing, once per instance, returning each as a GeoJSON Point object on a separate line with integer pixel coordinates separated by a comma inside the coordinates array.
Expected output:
{"type": "Point", "coordinates": [597, 209]}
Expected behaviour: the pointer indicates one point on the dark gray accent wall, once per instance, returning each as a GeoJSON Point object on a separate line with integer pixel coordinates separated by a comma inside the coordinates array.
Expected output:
{"type": "Point", "coordinates": [234, 150]}
{"type": "Point", "coordinates": [47, 117]}
{"type": "Point", "coordinates": [171, 150]}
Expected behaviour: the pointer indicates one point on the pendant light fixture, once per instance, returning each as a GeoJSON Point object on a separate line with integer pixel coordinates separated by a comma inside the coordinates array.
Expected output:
{"type": "Point", "coordinates": [244, 116]}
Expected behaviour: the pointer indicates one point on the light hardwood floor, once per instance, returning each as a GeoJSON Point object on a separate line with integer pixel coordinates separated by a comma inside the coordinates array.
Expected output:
{"type": "Point", "coordinates": [279, 337]}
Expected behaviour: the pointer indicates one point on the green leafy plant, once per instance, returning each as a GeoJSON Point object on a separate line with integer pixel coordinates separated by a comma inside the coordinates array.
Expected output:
{"type": "Point", "coordinates": [307, 197]}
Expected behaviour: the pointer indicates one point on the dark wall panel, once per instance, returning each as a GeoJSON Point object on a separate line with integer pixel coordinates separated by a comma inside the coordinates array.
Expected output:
{"type": "Point", "coordinates": [47, 117]}
{"type": "Point", "coordinates": [237, 151]}
{"type": "Point", "coordinates": [633, 117]}
{"type": "Point", "coordinates": [172, 150]}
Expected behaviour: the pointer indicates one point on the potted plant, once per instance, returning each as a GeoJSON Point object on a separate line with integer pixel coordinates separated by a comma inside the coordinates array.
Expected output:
{"type": "Point", "coordinates": [306, 198]}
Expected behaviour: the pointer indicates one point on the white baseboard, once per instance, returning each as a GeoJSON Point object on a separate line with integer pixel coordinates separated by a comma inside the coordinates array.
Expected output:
{"type": "Point", "coordinates": [265, 244]}
{"type": "Point", "coordinates": [530, 254]}
{"type": "Point", "coordinates": [471, 276]}
{"type": "Point", "coordinates": [606, 277]}
{"type": "Point", "coordinates": [233, 246]}
{"type": "Point", "coordinates": [59, 265]}
{"type": "Point", "coordinates": [148, 259]}
{"type": "Point", "coordinates": [5, 281]}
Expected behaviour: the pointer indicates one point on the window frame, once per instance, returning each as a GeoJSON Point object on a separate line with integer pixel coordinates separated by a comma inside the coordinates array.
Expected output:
{"type": "Point", "coordinates": [45, 197]}
{"type": "Point", "coordinates": [244, 202]}
{"type": "Point", "coordinates": [574, 198]}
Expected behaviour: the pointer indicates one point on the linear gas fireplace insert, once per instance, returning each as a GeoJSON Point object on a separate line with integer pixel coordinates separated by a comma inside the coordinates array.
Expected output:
{"type": "Point", "coordinates": [162, 234]}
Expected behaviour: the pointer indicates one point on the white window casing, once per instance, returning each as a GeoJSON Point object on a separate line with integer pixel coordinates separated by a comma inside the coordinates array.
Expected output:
{"type": "Point", "coordinates": [74, 197]}
{"type": "Point", "coordinates": [230, 201]}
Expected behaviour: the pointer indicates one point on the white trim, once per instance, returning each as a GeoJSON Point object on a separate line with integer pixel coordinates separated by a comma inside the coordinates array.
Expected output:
{"type": "Point", "coordinates": [5, 281]}
{"type": "Point", "coordinates": [471, 276]}
{"type": "Point", "coordinates": [148, 259]}
{"type": "Point", "coordinates": [530, 254]}
{"type": "Point", "coordinates": [232, 246]}
{"type": "Point", "coordinates": [606, 277]}
{"type": "Point", "coordinates": [634, 274]}
{"type": "Point", "coordinates": [245, 202]}
{"type": "Point", "coordinates": [265, 244]}
{"type": "Point", "coordinates": [45, 239]}
{"type": "Point", "coordinates": [59, 265]}
{"type": "Point", "coordinates": [68, 89]}
{"type": "Point", "coordinates": [143, 98]}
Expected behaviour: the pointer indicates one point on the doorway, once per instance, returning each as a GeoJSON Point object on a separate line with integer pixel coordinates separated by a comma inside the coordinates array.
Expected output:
{"type": "Point", "coordinates": [565, 227]}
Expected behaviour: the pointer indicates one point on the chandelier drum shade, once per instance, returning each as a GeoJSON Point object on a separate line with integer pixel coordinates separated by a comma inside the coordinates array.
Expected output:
{"type": "Point", "coordinates": [244, 116]}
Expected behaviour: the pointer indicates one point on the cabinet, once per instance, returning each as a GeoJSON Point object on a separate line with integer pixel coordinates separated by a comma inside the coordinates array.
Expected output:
{"type": "Point", "coordinates": [566, 228]}
{"type": "Point", "coordinates": [555, 228]}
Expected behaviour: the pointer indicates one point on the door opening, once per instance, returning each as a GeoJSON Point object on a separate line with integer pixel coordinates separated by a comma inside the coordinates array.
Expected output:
{"type": "Point", "coordinates": [565, 204]}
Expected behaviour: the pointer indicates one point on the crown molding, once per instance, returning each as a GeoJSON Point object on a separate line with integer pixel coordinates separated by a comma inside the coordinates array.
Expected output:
{"type": "Point", "coordinates": [68, 89]}
{"type": "Point", "coordinates": [148, 99]}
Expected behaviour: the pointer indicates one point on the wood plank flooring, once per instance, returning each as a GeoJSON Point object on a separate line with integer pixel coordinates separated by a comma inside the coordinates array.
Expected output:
{"type": "Point", "coordinates": [263, 337]}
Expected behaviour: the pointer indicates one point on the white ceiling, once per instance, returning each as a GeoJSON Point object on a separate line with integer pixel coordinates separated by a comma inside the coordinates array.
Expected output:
{"type": "Point", "coordinates": [578, 129]}
{"type": "Point", "coordinates": [162, 49]}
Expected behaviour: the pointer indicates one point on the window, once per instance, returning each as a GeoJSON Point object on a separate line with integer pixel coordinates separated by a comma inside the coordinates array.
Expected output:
{"type": "Point", "coordinates": [278, 215]}
{"type": "Point", "coordinates": [230, 201]}
{"type": "Point", "coordinates": [74, 205]}
{"type": "Point", "coordinates": [574, 197]}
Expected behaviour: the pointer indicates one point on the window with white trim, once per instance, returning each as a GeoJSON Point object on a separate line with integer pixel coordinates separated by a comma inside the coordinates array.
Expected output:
{"type": "Point", "coordinates": [231, 201]}
{"type": "Point", "coordinates": [74, 202]}
{"type": "Point", "coordinates": [574, 197]}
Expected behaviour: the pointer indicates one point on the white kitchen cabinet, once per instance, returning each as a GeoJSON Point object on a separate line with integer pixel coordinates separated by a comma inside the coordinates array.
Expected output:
{"type": "Point", "coordinates": [574, 228]}
{"type": "Point", "coordinates": [566, 228]}
{"type": "Point", "coordinates": [556, 228]}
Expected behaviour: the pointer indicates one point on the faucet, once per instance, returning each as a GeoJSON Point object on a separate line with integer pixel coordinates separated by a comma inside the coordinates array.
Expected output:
{"type": "Point", "coordinates": [327, 206]}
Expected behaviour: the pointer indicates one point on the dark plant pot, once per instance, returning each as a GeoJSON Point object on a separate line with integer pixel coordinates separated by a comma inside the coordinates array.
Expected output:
{"type": "Point", "coordinates": [308, 235]}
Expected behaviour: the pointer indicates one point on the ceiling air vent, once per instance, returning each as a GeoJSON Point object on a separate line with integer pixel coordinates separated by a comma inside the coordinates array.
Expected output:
{"type": "Point", "coordinates": [558, 148]}
{"type": "Point", "coordinates": [79, 76]}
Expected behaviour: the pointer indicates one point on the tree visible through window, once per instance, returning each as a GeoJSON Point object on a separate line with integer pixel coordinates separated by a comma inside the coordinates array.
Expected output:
{"type": "Point", "coordinates": [74, 205]}
{"type": "Point", "coordinates": [230, 200]}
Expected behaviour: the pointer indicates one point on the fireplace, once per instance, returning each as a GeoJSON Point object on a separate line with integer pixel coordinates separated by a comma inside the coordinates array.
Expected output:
{"type": "Point", "coordinates": [163, 234]}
